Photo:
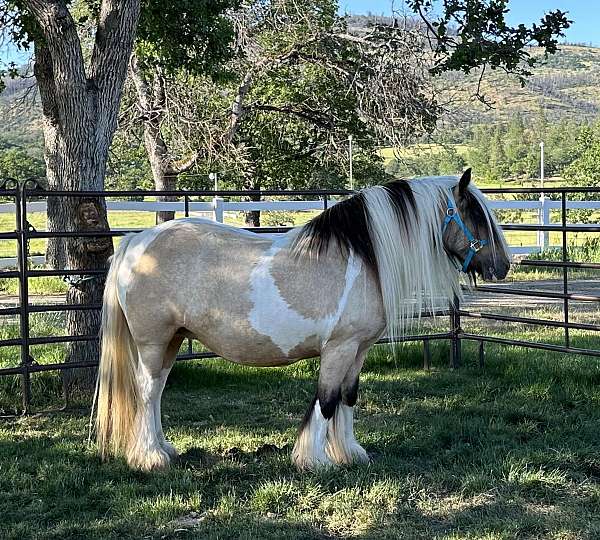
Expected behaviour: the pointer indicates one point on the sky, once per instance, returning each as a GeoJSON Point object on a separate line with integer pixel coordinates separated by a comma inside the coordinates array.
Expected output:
{"type": "Point", "coordinates": [584, 13]}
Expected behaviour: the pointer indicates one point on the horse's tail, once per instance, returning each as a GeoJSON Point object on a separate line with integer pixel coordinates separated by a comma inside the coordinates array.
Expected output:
{"type": "Point", "coordinates": [116, 389]}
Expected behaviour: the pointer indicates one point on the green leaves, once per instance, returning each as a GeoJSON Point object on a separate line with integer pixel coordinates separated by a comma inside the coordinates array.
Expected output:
{"type": "Point", "coordinates": [19, 164]}
{"type": "Point", "coordinates": [469, 34]}
{"type": "Point", "coordinates": [585, 170]}
{"type": "Point", "coordinates": [192, 35]}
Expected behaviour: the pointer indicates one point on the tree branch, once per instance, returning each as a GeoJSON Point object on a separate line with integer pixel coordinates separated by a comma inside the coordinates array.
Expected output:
{"type": "Point", "coordinates": [314, 117]}
{"type": "Point", "coordinates": [45, 82]}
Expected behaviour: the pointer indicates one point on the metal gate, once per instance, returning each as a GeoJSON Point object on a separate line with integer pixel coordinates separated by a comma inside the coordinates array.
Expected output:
{"type": "Point", "coordinates": [24, 233]}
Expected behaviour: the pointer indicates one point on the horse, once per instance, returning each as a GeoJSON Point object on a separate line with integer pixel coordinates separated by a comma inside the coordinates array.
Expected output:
{"type": "Point", "coordinates": [368, 265]}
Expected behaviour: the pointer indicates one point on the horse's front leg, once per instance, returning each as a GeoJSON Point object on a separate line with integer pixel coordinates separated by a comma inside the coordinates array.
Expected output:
{"type": "Point", "coordinates": [351, 450]}
{"type": "Point", "coordinates": [318, 436]}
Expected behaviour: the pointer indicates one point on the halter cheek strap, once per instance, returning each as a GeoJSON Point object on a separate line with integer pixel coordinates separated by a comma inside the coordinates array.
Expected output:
{"type": "Point", "coordinates": [474, 244]}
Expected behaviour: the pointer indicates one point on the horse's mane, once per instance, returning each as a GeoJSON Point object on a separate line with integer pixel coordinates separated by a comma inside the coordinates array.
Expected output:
{"type": "Point", "coordinates": [395, 229]}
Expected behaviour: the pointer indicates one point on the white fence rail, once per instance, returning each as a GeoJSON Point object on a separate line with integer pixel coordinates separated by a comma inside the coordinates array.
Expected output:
{"type": "Point", "coordinates": [216, 208]}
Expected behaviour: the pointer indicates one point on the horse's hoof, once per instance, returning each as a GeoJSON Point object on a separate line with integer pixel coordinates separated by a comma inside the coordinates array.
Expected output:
{"type": "Point", "coordinates": [312, 463]}
{"type": "Point", "coordinates": [150, 461]}
{"type": "Point", "coordinates": [359, 455]}
{"type": "Point", "coordinates": [170, 450]}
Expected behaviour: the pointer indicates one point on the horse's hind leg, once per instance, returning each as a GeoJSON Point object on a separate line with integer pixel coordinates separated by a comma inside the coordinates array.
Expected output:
{"type": "Point", "coordinates": [168, 362]}
{"type": "Point", "coordinates": [316, 443]}
{"type": "Point", "coordinates": [145, 450]}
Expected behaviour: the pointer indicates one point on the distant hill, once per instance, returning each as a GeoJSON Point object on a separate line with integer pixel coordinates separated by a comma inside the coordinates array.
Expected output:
{"type": "Point", "coordinates": [21, 116]}
{"type": "Point", "coordinates": [563, 86]}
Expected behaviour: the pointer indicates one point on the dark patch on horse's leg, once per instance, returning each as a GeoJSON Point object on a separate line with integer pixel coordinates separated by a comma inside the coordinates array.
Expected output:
{"type": "Point", "coordinates": [350, 393]}
{"type": "Point", "coordinates": [308, 414]}
{"type": "Point", "coordinates": [329, 399]}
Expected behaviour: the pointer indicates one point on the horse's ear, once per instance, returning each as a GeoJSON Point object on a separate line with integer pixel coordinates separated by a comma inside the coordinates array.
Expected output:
{"type": "Point", "coordinates": [464, 181]}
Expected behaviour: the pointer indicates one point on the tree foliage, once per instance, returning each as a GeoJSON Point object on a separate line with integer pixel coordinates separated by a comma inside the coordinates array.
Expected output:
{"type": "Point", "coordinates": [468, 34]}
{"type": "Point", "coordinates": [299, 85]}
{"type": "Point", "coordinates": [427, 161]}
{"type": "Point", "coordinates": [512, 150]}
{"type": "Point", "coordinates": [509, 150]}
{"type": "Point", "coordinates": [20, 165]}
{"type": "Point", "coordinates": [585, 169]}
{"type": "Point", "coordinates": [190, 35]}
{"type": "Point", "coordinates": [266, 92]}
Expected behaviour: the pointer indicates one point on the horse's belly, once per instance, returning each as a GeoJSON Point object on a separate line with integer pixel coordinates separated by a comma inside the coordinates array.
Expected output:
{"type": "Point", "coordinates": [243, 344]}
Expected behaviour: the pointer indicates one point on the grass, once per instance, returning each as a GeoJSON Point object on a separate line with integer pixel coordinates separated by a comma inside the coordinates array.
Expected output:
{"type": "Point", "coordinates": [510, 451]}
{"type": "Point", "coordinates": [133, 220]}
{"type": "Point", "coordinates": [8, 248]}
{"type": "Point", "coordinates": [586, 250]}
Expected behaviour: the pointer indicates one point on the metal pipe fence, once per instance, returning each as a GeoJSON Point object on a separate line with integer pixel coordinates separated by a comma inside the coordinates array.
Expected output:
{"type": "Point", "coordinates": [455, 335]}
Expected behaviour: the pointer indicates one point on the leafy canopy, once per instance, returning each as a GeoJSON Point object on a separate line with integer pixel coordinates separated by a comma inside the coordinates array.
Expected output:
{"type": "Point", "coordinates": [468, 34]}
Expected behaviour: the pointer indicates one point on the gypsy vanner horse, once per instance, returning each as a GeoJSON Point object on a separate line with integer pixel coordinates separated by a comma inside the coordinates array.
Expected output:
{"type": "Point", "coordinates": [368, 265]}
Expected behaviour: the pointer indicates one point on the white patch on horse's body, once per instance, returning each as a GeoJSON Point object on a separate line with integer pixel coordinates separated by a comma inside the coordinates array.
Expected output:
{"type": "Point", "coordinates": [272, 316]}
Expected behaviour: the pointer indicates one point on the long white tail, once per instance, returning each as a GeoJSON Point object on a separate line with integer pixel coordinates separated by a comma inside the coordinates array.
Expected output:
{"type": "Point", "coordinates": [116, 390]}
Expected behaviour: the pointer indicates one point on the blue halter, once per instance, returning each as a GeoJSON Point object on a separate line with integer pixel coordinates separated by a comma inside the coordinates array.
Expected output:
{"type": "Point", "coordinates": [474, 244]}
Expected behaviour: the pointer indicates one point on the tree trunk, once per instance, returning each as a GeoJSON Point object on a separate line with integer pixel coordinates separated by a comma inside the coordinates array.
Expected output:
{"type": "Point", "coordinates": [151, 103]}
{"type": "Point", "coordinates": [165, 182]}
{"type": "Point", "coordinates": [88, 252]}
{"type": "Point", "coordinates": [252, 217]}
{"type": "Point", "coordinates": [56, 253]}
{"type": "Point", "coordinates": [80, 107]}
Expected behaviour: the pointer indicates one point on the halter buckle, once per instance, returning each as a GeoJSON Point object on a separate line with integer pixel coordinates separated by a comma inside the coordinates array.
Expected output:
{"type": "Point", "coordinates": [450, 211]}
{"type": "Point", "coordinates": [476, 245]}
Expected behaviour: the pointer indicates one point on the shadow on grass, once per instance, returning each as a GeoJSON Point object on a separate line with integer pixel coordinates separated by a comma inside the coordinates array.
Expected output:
{"type": "Point", "coordinates": [510, 451]}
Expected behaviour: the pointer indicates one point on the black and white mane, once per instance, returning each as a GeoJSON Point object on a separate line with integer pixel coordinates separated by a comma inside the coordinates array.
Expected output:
{"type": "Point", "coordinates": [396, 230]}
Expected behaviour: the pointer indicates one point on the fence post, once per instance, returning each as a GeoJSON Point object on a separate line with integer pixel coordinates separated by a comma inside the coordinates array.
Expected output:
{"type": "Point", "coordinates": [544, 219]}
{"type": "Point", "coordinates": [455, 330]}
{"type": "Point", "coordinates": [565, 269]}
{"type": "Point", "coordinates": [22, 258]}
{"type": "Point", "coordinates": [426, 355]}
{"type": "Point", "coordinates": [217, 204]}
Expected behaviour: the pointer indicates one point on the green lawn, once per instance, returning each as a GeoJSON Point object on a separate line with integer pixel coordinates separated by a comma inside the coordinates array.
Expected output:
{"type": "Point", "coordinates": [134, 220]}
{"type": "Point", "coordinates": [511, 451]}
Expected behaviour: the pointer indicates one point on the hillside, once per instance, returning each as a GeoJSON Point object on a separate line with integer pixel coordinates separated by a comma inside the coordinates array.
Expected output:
{"type": "Point", "coordinates": [564, 86]}
{"type": "Point", "coordinates": [21, 117]}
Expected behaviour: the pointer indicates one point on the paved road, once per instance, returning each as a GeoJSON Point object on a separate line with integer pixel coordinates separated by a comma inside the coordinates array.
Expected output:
{"type": "Point", "coordinates": [482, 300]}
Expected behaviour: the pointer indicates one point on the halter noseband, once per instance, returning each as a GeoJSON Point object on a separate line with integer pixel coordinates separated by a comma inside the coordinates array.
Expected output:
{"type": "Point", "coordinates": [474, 244]}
